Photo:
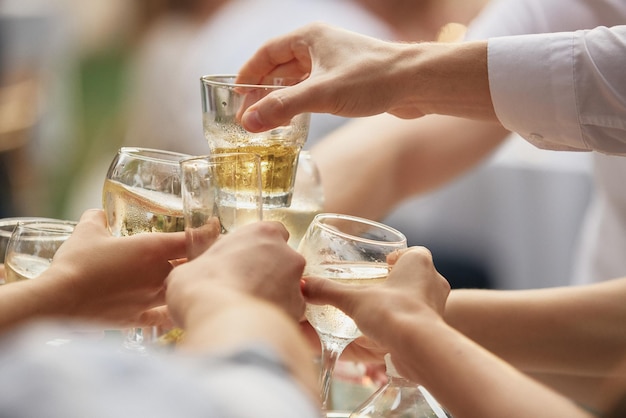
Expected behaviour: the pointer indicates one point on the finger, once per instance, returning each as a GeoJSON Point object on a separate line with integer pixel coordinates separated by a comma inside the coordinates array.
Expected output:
{"type": "Point", "coordinates": [177, 262]}
{"type": "Point", "coordinates": [94, 215]}
{"type": "Point", "coordinates": [414, 258]}
{"type": "Point", "coordinates": [323, 291]}
{"type": "Point", "coordinates": [393, 257]}
{"type": "Point", "coordinates": [280, 229]}
{"type": "Point", "coordinates": [286, 53]}
{"type": "Point", "coordinates": [94, 221]}
{"type": "Point", "coordinates": [169, 245]}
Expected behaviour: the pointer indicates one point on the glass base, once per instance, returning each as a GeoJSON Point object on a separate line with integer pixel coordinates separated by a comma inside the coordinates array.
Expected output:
{"type": "Point", "coordinates": [277, 200]}
{"type": "Point", "coordinates": [133, 342]}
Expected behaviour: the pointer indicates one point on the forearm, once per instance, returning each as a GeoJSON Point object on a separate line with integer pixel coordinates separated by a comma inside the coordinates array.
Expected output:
{"type": "Point", "coordinates": [459, 373]}
{"type": "Point", "coordinates": [28, 300]}
{"type": "Point", "coordinates": [398, 159]}
{"type": "Point", "coordinates": [227, 320]}
{"type": "Point", "coordinates": [561, 330]}
{"type": "Point", "coordinates": [19, 304]}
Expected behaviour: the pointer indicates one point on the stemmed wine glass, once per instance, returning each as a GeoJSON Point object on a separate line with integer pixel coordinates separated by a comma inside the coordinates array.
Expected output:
{"type": "Point", "coordinates": [141, 193]}
{"type": "Point", "coordinates": [32, 246]}
{"type": "Point", "coordinates": [354, 251]}
{"type": "Point", "coordinates": [7, 226]}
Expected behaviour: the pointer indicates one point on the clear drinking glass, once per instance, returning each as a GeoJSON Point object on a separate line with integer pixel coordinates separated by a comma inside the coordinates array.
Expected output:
{"type": "Point", "coordinates": [306, 202]}
{"type": "Point", "coordinates": [222, 104]}
{"type": "Point", "coordinates": [142, 193]}
{"type": "Point", "coordinates": [399, 397]}
{"type": "Point", "coordinates": [7, 226]}
{"type": "Point", "coordinates": [220, 193]}
{"type": "Point", "coordinates": [351, 250]}
{"type": "Point", "coordinates": [32, 246]}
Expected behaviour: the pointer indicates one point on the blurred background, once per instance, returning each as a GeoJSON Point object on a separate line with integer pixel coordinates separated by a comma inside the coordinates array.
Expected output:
{"type": "Point", "coordinates": [80, 79]}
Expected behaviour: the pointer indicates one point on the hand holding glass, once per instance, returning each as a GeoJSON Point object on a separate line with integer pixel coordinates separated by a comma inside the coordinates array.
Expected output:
{"type": "Point", "coordinates": [141, 193]}
{"type": "Point", "coordinates": [351, 250]}
{"type": "Point", "coordinates": [222, 103]}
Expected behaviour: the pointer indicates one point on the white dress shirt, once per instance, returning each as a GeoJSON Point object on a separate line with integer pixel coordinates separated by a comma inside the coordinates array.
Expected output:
{"type": "Point", "coordinates": [573, 84]}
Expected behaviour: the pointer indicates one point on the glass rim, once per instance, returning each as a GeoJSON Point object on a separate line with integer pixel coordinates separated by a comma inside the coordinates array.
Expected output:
{"type": "Point", "coordinates": [365, 221]}
{"type": "Point", "coordinates": [55, 226]}
{"type": "Point", "coordinates": [13, 221]}
{"type": "Point", "coordinates": [214, 80]}
{"type": "Point", "coordinates": [208, 158]}
{"type": "Point", "coordinates": [141, 153]}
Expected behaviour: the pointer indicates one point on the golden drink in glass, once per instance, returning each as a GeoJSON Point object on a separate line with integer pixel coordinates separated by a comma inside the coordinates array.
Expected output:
{"type": "Point", "coordinates": [222, 102]}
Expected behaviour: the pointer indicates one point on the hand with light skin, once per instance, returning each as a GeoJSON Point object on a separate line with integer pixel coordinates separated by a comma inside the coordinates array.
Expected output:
{"type": "Point", "coordinates": [244, 289]}
{"type": "Point", "coordinates": [116, 281]}
{"type": "Point", "coordinates": [404, 315]}
{"type": "Point", "coordinates": [352, 75]}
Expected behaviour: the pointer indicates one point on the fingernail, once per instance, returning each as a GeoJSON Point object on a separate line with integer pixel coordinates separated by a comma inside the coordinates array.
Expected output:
{"type": "Point", "coordinates": [303, 286]}
{"type": "Point", "coordinates": [251, 121]}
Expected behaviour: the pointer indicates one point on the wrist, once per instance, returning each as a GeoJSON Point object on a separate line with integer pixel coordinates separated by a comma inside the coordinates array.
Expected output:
{"type": "Point", "coordinates": [451, 79]}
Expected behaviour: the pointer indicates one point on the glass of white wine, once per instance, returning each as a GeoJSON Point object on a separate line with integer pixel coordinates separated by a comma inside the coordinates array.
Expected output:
{"type": "Point", "coordinates": [222, 103]}
{"type": "Point", "coordinates": [220, 193]}
{"type": "Point", "coordinates": [7, 226]}
{"type": "Point", "coordinates": [306, 202]}
{"type": "Point", "coordinates": [32, 246]}
{"type": "Point", "coordinates": [142, 193]}
{"type": "Point", "coordinates": [351, 250]}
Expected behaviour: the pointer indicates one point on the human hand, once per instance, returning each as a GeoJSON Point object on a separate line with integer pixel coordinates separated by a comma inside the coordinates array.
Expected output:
{"type": "Point", "coordinates": [115, 280]}
{"type": "Point", "coordinates": [414, 290]}
{"type": "Point", "coordinates": [348, 75]}
{"type": "Point", "coordinates": [254, 261]}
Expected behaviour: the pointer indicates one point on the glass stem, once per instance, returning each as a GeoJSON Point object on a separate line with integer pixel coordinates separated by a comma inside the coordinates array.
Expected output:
{"type": "Point", "coordinates": [330, 354]}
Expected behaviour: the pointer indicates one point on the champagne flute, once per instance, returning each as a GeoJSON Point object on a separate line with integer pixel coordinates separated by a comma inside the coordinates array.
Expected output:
{"type": "Point", "coordinates": [351, 250]}
{"type": "Point", "coordinates": [306, 202]}
{"type": "Point", "coordinates": [32, 246]}
{"type": "Point", "coordinates": [141, 193]}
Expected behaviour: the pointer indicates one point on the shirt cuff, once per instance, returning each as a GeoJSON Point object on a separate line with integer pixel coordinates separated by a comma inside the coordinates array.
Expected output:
{"type": "Point", "coordinates": [532, 88]}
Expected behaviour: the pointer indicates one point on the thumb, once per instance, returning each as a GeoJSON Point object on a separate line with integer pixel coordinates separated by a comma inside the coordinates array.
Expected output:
{"type": "Point", "coordinates": [320, 291]}
{"type": "Point", "coordinates": [275, 109]}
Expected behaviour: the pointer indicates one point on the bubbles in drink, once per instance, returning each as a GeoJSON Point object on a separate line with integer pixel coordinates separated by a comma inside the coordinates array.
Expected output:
{"type": "Point", "coordinates": [278, 166]}
{"type": "Point", "coordinates": [327, 319]}
{"type": "Point", "coordinates": [132, 210]}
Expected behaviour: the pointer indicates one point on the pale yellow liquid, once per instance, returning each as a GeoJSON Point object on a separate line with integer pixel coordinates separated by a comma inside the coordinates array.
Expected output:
{"type": "Point", "coordinates": [24, 267]}
{"type": "Point", "coordinates": [132, 210]}
{"type": "Point", "coordinates": [233, 216]}
{"type": "Point", "coordinates": [327, 319]}
{"type": "Point", "coordinates": [296, 219]}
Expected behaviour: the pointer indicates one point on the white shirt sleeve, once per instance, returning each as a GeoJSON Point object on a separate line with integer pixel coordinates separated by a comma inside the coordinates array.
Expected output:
{"type": "Point", "coordinates": [47, 372]}
{"type": "Point", "coordinates": [562, 90]}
